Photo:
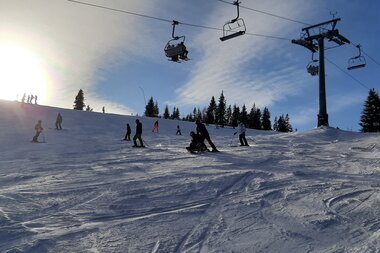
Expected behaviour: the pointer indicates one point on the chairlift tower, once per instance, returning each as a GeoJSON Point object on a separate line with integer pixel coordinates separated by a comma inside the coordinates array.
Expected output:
{"type": "Point", "coordinates": [313, 38]}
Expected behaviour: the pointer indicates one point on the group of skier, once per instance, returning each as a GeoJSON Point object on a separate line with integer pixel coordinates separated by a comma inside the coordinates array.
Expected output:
{"type": "Point", "coordinates": [197, 138]}
{"type": "Point", "coordinates": [38, 127]}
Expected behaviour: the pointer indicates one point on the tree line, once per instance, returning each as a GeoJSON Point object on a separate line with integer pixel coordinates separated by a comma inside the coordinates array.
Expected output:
{"type": "Point", "coordinates": [223, 115]}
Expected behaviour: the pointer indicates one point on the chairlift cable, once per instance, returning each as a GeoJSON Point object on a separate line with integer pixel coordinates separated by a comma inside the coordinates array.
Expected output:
{"type": "Point", "coordinates": [266, 13]}
{"type": "Point", "coordinates": [348, 74]}
{"type": "Point", "coordinates": [170, 20]}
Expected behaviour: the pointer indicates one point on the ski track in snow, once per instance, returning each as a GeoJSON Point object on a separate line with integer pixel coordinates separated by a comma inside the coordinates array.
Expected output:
{"type": "Point", "coordinates": [87, 191]}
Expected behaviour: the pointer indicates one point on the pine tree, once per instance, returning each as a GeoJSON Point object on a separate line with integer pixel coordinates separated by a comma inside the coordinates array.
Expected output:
{"type": "Point", "coordinates": [275, 124]}
{"type": "Point", "coordinates": [255, 118]}
{"type": "Point", "coordinates": [243, 115]}
{"type": "Point", "coordinates": [79, 101]}
{"type": "Point", "coordinates": [283, 124]}
{"type": "Point", "coordinates": [221, 111]}
{"type": "Point", "coordinates": [289, 127]}
{"type": "Point", "coordinates": [370, 116]}
{"type": "Point", "coordinates": [149, 108]}
{"type": "Point", "coordinates": [235, 115]}
{"type": "Point", "coordinates": [211, 111]}
{"type": "Point", "coordinates": [229, 115]}
{"type": "Point", "coordinates": [265, 120]}
{"type": "Point", "coordinates": [156, 110]}
{"type": "Point", "coordinates": [166, 112]}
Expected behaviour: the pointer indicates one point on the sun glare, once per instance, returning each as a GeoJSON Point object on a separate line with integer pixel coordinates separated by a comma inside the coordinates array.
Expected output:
{"type": "Point", "coordinates": [21, 72]}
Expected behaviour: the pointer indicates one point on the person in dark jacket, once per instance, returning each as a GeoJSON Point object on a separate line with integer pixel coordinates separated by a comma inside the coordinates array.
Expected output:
{"type": "Point", "coordinates": [38, 129]}
{"type": "Point", "coordinates": [138, 134]}
{"type": "Point", "coordinates": [202, 130]}
{"type": "Point", "coordinates": [128, 133]}
{"type": "Point", "coordinates": [197, 143]}
{"type": "Point", "coordinates": [58, 122]}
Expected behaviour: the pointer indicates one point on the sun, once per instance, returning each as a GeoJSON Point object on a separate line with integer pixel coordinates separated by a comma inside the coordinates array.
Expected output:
{"type": "Point", "coordinates": [21, 72]}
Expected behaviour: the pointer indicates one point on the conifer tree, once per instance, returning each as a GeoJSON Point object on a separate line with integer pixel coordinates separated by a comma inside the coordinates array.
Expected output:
{"type": "Point", "coordinates": [370, 116]}
{"type": "Point", "coordinates": [149, 108]}
{"type": "Point", "coordinates": [79, 101]}
{"type": "Point", "coordinates": [243, 115]}
{"type": "Point", "coordinates": [283, 124]}
{"type": "Point", "coordinates": [211, 111]}
{"type": "Point", "coordinates": [229, 115]}
{"type": "Point", "coordinates": [156, 110]}
{"type": "Point", "coordinates": [221, 111]}
{"type": "Point", "coordinates": [255, 118]}
{"type": "Point", "coordinates": [265, 120]}
{"type": "Point", "coordinates": [235, 115]}
{"type": "Point", "coordinates": [166, 112]}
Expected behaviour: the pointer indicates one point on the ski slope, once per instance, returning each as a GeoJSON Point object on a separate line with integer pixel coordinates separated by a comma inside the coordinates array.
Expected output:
{"type": "Point", "coordinates": [85, 190]}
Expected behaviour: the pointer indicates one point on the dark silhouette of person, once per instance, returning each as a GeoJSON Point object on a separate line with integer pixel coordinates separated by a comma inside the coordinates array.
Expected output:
{"type": "Point", "coordinates": [104, 109]}
{"type": "Point", "coordinates": [202, 130]}
{"type": "Point", "coordinates": [138, 134]}
{"type": "Point", "coordinates": [178, 131]}
{"type": "Point", "coordinates": [38, 128]}
{"type": "Point", "coordinates": [35, 99]}
{"type": "Point", "coordinates": [128, 133]}
{"type": "Point", "coordinates": [58, 122]}
{"type": "Point", "coordinates": [197, 143]}
{"type": "Point", "coordinates": [241, 131]}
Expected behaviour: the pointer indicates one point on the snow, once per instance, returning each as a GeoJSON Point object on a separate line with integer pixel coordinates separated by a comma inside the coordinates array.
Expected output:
{"type": "Point", "coordinates": [85, 190]}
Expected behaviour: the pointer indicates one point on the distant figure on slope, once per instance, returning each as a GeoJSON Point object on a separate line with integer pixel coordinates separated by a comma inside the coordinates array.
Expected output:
{"type": "Point", "coordinates": [35, 99]}
{"type": "Point", "coordinates": [241, 130]}
{"type": "Point", "coordinates": [178, 131]}
{"type": "Point", "coordinates": [138, 134]}
{"type": "Point", "coordinates": [58, 122]}
{"type": "Point", "coordinates": [197, 143]}
{"type": "Point", "coordinates": [155, 126]}
{"type": "Point", "coordinates": [201, 129]}
{"type": "Point", "coordinates": [104, 109]}
{"type": "Point", "coordinates": [128, 133]}
{"type": "Point", "coordinates": [38, 128]}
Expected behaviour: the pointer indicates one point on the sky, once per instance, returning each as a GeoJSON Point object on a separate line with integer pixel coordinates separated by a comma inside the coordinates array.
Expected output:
{"type": "Point", "coordinates": [86, 190]}
{"type": "Point", "coordinates": [54, 48]}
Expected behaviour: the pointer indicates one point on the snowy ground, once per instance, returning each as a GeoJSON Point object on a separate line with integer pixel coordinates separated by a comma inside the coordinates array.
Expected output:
{"type": "Point", "coordinates": [85, 190]}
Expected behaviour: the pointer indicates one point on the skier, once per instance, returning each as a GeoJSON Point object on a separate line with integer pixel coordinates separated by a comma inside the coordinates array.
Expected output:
{"type": "Point", "coordinates": [241, 131]}
{"type": "Point", "coordinates": [138, 135]}
{"type": "Point", "coordinates": [104, 109]}
{"type": "Point", "coordinates": [155, 126]}
{"type": "Point", "coordinates": [58, 122]}
{"type": "Point", "coordinates": [201, 129]}
{"type": "Point", "coordinates": [128, 133]}
{"type": "Point", "coordinates": [38, 129]}
{"type": "Point", "coordinates": [178, 131]}
{"type": "Point", "coordinates": [197, 143]}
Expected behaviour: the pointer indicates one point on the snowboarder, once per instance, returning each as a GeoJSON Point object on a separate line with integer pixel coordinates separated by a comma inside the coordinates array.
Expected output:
{"type": "Point", "coordinates": [155, 126]}
{"type": "Point", "coordinates": [202, 130]}
{"type": "Point", "coordinates": [197, 143]}
{"type": "Point", "coordinates": [178, 131]}
{"type": "Point", "coordinates": [38, 129]}
{"type": "Point", "coordinates": [128, 133]}
{"type": "Point", "coordinates": [58, 122]}
{"type": "Point", "coordinates": [138, 134]}
{"type": "Point", "coordinates": [241, 131]}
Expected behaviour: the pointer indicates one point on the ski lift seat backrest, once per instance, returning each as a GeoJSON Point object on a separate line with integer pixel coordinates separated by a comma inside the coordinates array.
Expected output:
{"type": "Point", "coordinates": [175, 50]}
{"type": "Point", "coordinates": [233, 29]}
{"type": "Point", "coordinates": [356, 62]}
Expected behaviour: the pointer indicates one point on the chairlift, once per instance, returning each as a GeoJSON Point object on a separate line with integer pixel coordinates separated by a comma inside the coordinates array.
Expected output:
{"type": "Point", "coordinates": [235, 27]}
{"type": "Point", "coordinates": [175, 49]}
{"type": "Point", "coordinates": [357, 61]}
{"type": "Point", "coordinates": [313, 67]}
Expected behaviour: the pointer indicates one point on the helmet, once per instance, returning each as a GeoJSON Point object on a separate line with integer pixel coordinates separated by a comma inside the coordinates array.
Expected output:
{"type": "Point", "coordinates": [192, 133]}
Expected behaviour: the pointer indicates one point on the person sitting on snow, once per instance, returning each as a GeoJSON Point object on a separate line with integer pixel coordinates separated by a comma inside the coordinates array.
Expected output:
{"type": "Point", "coordinates": [197, 143]}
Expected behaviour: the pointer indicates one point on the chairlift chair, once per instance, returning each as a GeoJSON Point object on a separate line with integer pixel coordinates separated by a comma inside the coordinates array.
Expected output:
{"type": "Point", "coordinates": [357, 61]}
{"type": "Point", "coordinates": [175, 49]}
{"type": "Point", "coordinates": [313, 67]}
{"type": "Point", "coordinates": [235, 27]}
